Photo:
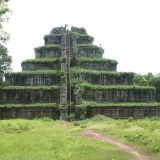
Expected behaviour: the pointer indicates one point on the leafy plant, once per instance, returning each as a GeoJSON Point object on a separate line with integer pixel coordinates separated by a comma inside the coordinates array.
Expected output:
{"type": "Point", "coordinates": [78, 30]}
{"type": "Point", "coordinates": [131, 119]}
{"type": "Point", "coordinates": [63, 59]}
{"type": "Point", "coordinates": [45, 119]}
{"type": "Point", "coordinates": [80, 111]}
{"type": "Point", "coordinates": [101, 118]}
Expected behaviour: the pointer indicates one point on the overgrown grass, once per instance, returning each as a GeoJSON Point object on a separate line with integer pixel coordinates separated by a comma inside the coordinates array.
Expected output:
{"type": "Point", "coordinates": [44, 139]}
{"type": "Point", "coordinates": [143, 134]}
{"type": "Point", "coordinates": [47, 139]}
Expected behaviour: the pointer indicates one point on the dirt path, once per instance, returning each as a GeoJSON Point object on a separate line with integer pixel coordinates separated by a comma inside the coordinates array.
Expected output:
{"type": "Point", "coordinates": [98, 136]}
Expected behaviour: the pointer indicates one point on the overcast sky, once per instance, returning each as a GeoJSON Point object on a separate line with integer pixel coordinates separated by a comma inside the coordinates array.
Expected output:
{"type": "Point", "coordinates": [128, 30]}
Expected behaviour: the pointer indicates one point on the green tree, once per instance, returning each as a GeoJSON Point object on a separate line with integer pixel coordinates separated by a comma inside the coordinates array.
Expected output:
{"type": "Point", "coordinates": [156, 83]}
{"type": "Point", "coordinates": [4, 10]}
{"type": "Point", "coordinates": [143, 80]}
{"type": "Point", "coordinates": [149, 80]}
{"type": "Point", "coordinates": [5, 59]}
{"type": "Point", "coordinates": [5, 62]}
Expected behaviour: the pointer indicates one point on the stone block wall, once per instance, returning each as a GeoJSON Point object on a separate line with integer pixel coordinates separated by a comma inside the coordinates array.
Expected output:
{"type": "Point", "coordinates": [116, 112]}
{"type": "Point", "coordinates": [48, 54]}
{"type": "Point", "coordinates": [32, 66]}
{"type": "Point", "coordinates": [101, 66]}
{"type": "Point", "coordinates": [119, 95]}
{"type": "Point", "coordinates": [33, 80]}
{"type": "Point", "coordinates": [88, 54]}
{"type": "Point", "coordinates": [103, 79]}
{"type": "Point", "coordinates": [52, 39]}
{"type": "Point", "coordinates": [120, 112]}
{"type": "Point", "coordinates": [29, 112]}
{"type": "Point", "coordinates": [30, 95]}
{"type": "Point", "coordinates": [81, 39]}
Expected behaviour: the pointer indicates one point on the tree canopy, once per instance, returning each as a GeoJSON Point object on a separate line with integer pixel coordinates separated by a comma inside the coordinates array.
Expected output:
{"type": "Point", "coordinates": [5, 59]}
{"type": "Point", "coordinates": [4, 10]}
{"type": "Point", "coordinates": [149, 80]}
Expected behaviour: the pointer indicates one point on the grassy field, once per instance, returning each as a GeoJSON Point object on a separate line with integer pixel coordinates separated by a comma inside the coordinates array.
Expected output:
{"type": "Point", "coordinates": [142, 134]}
{"type": "Point", "coordinates": [45, 139]}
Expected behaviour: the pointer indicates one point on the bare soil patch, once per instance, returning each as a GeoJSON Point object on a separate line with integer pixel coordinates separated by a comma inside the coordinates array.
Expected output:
{"type": "Point", "coordinates": [98, 136]}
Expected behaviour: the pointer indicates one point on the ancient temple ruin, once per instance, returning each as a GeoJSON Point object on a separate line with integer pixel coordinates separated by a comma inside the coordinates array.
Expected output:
{"type": "Point", "coordinates": [69, 75]}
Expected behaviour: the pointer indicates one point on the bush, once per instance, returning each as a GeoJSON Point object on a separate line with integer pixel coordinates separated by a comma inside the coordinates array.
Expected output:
{"type": "Point", "coordinates": [155, 118]}
{"type": "Point", "coordinates": [45, 119]}
{"type": "Point", "coordinates": [99, 117]}
{"type": "Point", "coordinates": [131, 119]}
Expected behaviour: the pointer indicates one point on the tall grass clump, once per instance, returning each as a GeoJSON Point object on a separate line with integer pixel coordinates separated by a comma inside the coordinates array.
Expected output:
{"type": "Point", "coordinates": [15, 126]}
{"type": "Point", "coordinates": [100, 118]}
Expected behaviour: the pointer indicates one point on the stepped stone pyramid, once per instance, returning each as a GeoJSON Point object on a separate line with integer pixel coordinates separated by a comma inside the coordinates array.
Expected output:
{"type": "Point", "coordinates": [69, 75]}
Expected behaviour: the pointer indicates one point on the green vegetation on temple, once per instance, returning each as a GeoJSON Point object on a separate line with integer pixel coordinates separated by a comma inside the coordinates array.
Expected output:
{"type": "Point", "coordinates": [122, 104]}
{"type": "Point", "coordinates": [78, 70]}
{"type": "Point", "coordinates": [55, 35]}
{"type": "Point", "coordinates": [41, 60]}
{"type": "Point", "coordinates": [78, 47]}
{"type": "Point", "coordinates": [81, 60]}
{"type": "Point", "coordinates": [30, 87]}
{"type": "Point", "coordinates": [79, 30]}
{"type": "Point", "coordinates": [48, 47]}
{"type": "Point", "coordinates": [81, 37]}
{"type": "Point", "coordinates": [91, 86]}
{"type": "Point", "coordinates": [7, 106]}
{"type": "Point", "coordinates": [39, 72]}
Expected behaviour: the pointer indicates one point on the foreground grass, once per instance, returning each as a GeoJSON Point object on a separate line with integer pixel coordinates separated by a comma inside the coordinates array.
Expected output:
{"type": "Point", "coordinates": [142, 134]}
{"type": "Point", "coordinates": [46, 140]}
